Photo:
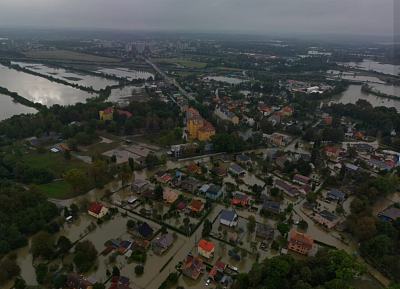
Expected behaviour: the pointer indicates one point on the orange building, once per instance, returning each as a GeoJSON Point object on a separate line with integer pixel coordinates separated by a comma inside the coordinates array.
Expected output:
{"type": "Point", "coordinates": [300, 243]}
{"type": "Point", "coordinates": [199, 128]}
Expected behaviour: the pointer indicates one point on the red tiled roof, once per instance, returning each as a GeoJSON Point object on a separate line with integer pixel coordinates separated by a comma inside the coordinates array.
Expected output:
{"type": "Point", "coordinates": [196, 204]}
{"type": "Point", "coordinates": [213, 272]}
{"type": "Point", "coordinates": [206, 246]}
{"type": "Point", "coordinates": [299, 238]}
{"type": "Point", "coordinates": [331, 149]}
{"type": "Point", "coordinates": [110, 109]}
{"type": "Point", "coordinates": [113, 286]}
{"type": "Point", "coordinates": [127, 113]}
{"type": "Point", "coordinates": [166, 177]}
{"type": "Point", "coordinates": [95, 208]}
{"type": "Point", "coordinates": [192, 168]}
{"type": "Point", "coordinates": [392, 164]}
{"type": "Point", "coordinates": [145, 243]}
{"type": "Point", "coordinates": [220, 264]}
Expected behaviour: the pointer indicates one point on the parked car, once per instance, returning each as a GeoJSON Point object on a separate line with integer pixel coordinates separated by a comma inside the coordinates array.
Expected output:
{"type": "Point", "coordinates": [208, 282]}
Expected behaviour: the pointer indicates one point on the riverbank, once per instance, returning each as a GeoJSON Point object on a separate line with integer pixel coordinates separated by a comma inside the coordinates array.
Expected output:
{"type": "Point", "coordinates": [366, 88]}
{"type": "Point", "coordinates": [22, 100]}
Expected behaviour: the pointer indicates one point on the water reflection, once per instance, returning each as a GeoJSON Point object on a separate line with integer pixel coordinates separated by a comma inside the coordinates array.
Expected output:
{"type": "Point", "coordinates": [10, 107]}
{"type": "Point", "coordinates": [125, 72]}
{"type": "Point", "coordinates": [39, 89]}
{"type": "Point", "coordinates": [373, 65]}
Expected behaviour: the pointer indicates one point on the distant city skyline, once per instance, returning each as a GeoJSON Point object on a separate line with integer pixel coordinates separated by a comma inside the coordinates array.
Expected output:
{"type": "Point", "coordinates": [357, 17]}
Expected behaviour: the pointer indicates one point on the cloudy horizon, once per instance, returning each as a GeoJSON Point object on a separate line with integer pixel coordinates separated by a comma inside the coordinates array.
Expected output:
{"type": "Point", "coordinates": [357, 17]}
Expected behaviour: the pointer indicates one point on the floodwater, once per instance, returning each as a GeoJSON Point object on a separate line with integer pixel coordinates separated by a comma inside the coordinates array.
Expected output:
{"type": "Point", "coordinates": [128, 93]}
{"type": "Point", "coordinates": [354, 93]}
{"type": "Point", "coordinates": [354, 76]}
{"type": "Point", "coordinates": [373, 65]}
{"type": "Point", "coordinates": [125, 72]}
{"type": "Point", "coordinates": [71, 76]}
{"type": "Point", "coordinates": [232, 80]}
{"type": "Point", "coordinates": [10, 107]}
{"type": "Point", "coordinates": [39, 89]}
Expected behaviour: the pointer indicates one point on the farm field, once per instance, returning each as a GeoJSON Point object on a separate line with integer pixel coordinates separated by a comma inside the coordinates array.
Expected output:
{"type": "Point", "coordinates": [68, 55]}
{"type": "Point", "coordinates": [186, 63]}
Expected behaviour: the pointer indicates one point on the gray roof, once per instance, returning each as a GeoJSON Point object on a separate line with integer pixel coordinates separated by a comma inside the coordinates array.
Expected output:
{"type": "Point", "coordinates": [204, 188]}
{"type": "Point", "coordinates": [392, 213]}
{"type": "Point", "coordinates": [328, 215]}
{"type": "Point", "coordinates": [165, 240]}
{"type": "Point", "coordinates": [140, 183]}
{"type": "Point", "coordinates": [352, 167]}
{"type": "Point", "coordinates": [362, 146]}
{"type": "Point", "coordinates": [308, 205]}
{"type": "Point", "coordinates": [213, 189]}
{"type": "Point", "coordinates": [236, 168]}
{"type": "Point", "coordinates": [336, 193]}
{"type": "Point", "coordinates": [190, 181]}
{"type": "Point", "coordinates": [243, 158]}
{"type": "Point", "coordinates": [380, 164]}
{"type": "Point", "coordinates": [229, 215]}
{"type": "Point", "coordinates": [240, 197]}
{"type": "Point", "coordinates": [271, 205]}
{"type": "Point", "coordinates": [265, 229]}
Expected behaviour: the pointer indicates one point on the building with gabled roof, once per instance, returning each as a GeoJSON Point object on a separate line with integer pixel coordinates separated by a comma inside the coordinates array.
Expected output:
{"type": "Point", "coordinates": [97, 210]}
{"type": "Point", "coordinates": [170, 196]}
{"type": "Point", "coordinates": [300, 243]}
{"type": "Point", "coordinates": [205, 249]}
{"type": "Point", "coordinates": [140, 186]}
{"type": "Point", "coordinates": [143, 230]}
{"type": "Point", "coordinates": [108, 113]}
{"type": "Point", "coordinates": [300, 179]}
{"type": "Point", "coordinates": [240, 199]}
{"type": "Point", "coordinates": [76, 281]}
{"type": "Point", "coordinates": [327, 219]}
{"type": "Point", "coordinates": [265, 231]}
{"type": "Point", "coordinates": [192, 168]}
{"type": "Point", "coordinates": [229, 218]}
{"type": "Point", "coordinates": [287, 189]}
{"type": "Point", "coordinates": [331, 152]}
{"type": "Point", "coordinates": [193, 267]}
{"type": "Point", "coordinates": [161, 244]}
{"type": "Point", "coordinates": [196, 206]}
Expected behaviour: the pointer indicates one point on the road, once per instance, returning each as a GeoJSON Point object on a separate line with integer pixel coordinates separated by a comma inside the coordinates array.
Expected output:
{"type": "Point", "coordinates": [171, 80]}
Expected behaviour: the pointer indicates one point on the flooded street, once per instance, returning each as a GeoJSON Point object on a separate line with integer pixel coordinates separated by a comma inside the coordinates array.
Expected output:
{"type": "Point", "coordinates": [39, 89]}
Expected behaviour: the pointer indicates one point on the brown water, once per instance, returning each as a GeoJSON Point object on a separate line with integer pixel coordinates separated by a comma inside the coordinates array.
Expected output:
{"type": "Point", "coordinates": [60, 73]}
{"type": "Point", "coordinates": [373, 65]}
{"type": "Point", "coordinates": [10, 107]}
{"type": "Point", "coordinates": [39, 89]}
{"type": "Point", "coordinates": [126, 72]}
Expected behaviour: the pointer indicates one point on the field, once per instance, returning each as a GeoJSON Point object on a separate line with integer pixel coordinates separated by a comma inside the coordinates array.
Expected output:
{"type": "Point", "coordinates": [228, 68]}
{"type": "Point", "coordinates": [186, 63]}
{"type": "Point", "coordinates": [68, 55]}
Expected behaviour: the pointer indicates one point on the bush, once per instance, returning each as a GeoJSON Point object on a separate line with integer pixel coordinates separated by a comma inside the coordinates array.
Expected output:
{"type": "Point", "coordinates": [139, 269]}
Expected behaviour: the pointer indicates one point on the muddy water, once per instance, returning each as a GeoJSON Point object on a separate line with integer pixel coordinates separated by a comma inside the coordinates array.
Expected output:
{"type": "Point", "coordinates": [125, 72]}
{"type": "Point", "coordinates": [10, 107]}
{"type": "Point", "coordinates": [126, 94]}
{"type": "Point", "coordinates": [373, 65]}
{"type": "Point", "coordinates": [70, 76]}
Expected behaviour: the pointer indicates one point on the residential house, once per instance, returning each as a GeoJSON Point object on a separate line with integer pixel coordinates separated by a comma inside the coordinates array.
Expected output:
{"type": "Point", "coordinates": [279, 139]}
{"type": "Point", "coordinates": [302, 180]}
{"type": "Point", "coordinates": [308, 205]}
{"type": "Point", "coordinates": [225, 114]}
{"type": "Point", "coordinates": [97, 210]}
{"type": "Point", "coordinates": [108, 113]}
{"type": "Point", "coordinates": [391, 214]}
{"type": "Point", "coordinates": [287, 111]}
{"type": "Point", "coordinates": [220, 265]}
{"type": "Point", "coordinates": [379, 165]}
{"type": "Point", "coordinates": [266, 111]}
{"type": "Point", "coordinates": [196, 206]}
{"type": "Point", "coordinates": [189, 184]}
{"type": "Point", "coordinates": [125, 246]}
{"type": "Point", "coordinates": [336, 195]}
{"type": "Point", "coordinates": [305, 157]}
{"type": "Point", "coordinates": [287, 189]}
{"type": "Point", "coordinates": [272, 154]}
{"type": "Point", "coordinates": [240, 199]}
{"type": "Point", "coordinates": [145, 244]}
{"type": "Point", "coordinates": [275, 119]}
{"type": "Point", "coordinates": [191, 112]}
{"type": "Point", "coordinates": [199, 128]}
{"type": "Point", "coordinates": [143, 230]}
{"type": "Point", "coordinates": [217, 275]}
{"type": "Point", "coordinates": [243, 160]}
{"type": "Point", "coordinates": [331, 152]}
{"type": "Point", "coordinates": [162, 177]}
{"type": "Point", "coordinates": [182, 205]}
{"type": "Point", "coordinates": [205, 249]}
{"type": "Point", "coordinates": [273, 207]}
{"type": "Point", "coordinates": [234, 237]}
{"type": "Point", "coordinates": [220, 171]}
{"type": "Point", "coordinates": [76, 281]}
{"type": "Point", "coordinates": [170, 196]}
{"type": "Point", "coordinates": [352, 168]}
{"type": "Point", "coordinates": [236, 169]}
{"type": "Point", "coordinates": [327, 219]}
{"type": "Point", "coordinates": [280, 161]}
{"type": "Point", "coordinates": [265, 231]}
{"type": "Point", "coordinates": [300, 243]}
{"type": "Point", "coordinates": [305, 189]}
{"type": "Point", "coordinates": [193, 267]}
{"type": "Point", "coordinates": [140, 186]}
{"type": "Point", "coordinates": [119, 286]}
{"type": "Point", "coordinates": [204, 188]}
{"type": "Point", "coordinates": [193, 168]}
{"type": "Point", "coordinates": [229, 218]}
{"type": "Point", "coordinates": [214, 192]}
{"type": "Point", "coordinates": [363, 147]}
{"type": "Point", "coordinates": [161, 244]}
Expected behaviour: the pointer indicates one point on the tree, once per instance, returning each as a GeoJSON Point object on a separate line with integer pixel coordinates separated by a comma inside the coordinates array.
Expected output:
{"type": "Point", "coordinates": [42, 272]}
{"type": "Point", "coordinates": [130, 224]}
{"type": "Point", "coordinates": [303, 224]}
{"type": "Point", "coordinates": [124, 175]}
{"type": "Point", "coordinates": [366, 229]}
{"type": "Point", "coordinates": [67, 154]}
{"type": "Point", "coordinates": [74, 209]}
{"type": "Point", "coordinates": [139, 269]}
{"type": "Point", "coordinates": [378, 246]}
{"type": "Point", "coordinates": [159, 192]}
{"type": "Point", "coordinates": [75, 179]}
{"type": "Point", "coordinates": [243, 253]}
{"type": "Point", "coordinates": [283, 228]}
{"type": "Point", "coordinates": [19, 283]}
{"type": "Point", "coordinates": [115, 271]}
{"type": "Point", "coordinates": [224, 234]}
{"type": "Point", "coordinates": [113, 158]}
{"type": "Point", "coordinates": [42, 245]}
{"type": "Point", "coordinates": [207, 227]}
{"type": "Point", "coordinates": [253, 246]}
{"type": "Point", "coordinates": [151, 161]}
{"type": "Point", "coordinates": [63, 245]}
{"type": "Point", "coordinates": [97, 170]}
{"type": "Point", "coordinates": [131, 164]}
{"type": "Point", "coordinates": [60, 281]}
{"type": "Point", "coordinates": [251, 225]}
{"type": "Point", "coordinates": [85, 254]}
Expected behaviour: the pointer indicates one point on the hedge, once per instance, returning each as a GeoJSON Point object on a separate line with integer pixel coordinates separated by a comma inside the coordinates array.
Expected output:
{"type": "Point", "coordinates": [165, 265]}
{"type": "Point", "coordinates": [324, 244]}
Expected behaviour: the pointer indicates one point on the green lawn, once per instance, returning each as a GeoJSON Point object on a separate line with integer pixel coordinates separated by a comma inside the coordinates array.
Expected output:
{"type": "Point", "coordinates": [186, 63]}
{"type": "Point", "coordinates": [228, 68]}
{"type": "Point", "coordinates": [58, 190]}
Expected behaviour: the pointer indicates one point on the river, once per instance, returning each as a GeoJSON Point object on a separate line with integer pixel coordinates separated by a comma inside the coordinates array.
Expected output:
{"type": "Point", "coordinates": [71, 76]}
{"type": "Point", "coordinates": [10, 107]}
{"type": "Point", "coordinates": [39, 89]}
{"type": "Point", "coordinates": [373, 65]}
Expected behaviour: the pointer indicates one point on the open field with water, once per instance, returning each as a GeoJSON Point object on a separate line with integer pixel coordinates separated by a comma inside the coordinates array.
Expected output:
{"type": "Point", "coordinates": [68, 55]}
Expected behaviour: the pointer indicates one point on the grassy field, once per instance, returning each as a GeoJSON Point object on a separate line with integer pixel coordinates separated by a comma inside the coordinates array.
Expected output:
{"type": "Point", "coordinates": [228, 68]}
{"type": "Point", "coordinates": [56, 162]}
{"type": "Point", "coordinates": [68, 55]}
{"type": "Point", "coordinates": [186, 63]}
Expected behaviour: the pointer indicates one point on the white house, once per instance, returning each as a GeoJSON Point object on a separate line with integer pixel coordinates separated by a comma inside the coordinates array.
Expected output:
{"type": "Point", "coordinates": [229, 218]}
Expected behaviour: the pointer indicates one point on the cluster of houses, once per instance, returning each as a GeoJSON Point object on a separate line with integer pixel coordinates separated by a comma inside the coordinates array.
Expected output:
{"type": "Point", "coordinates": [76, 281]}
{"type": "Point", "coordinates": [198, 127]}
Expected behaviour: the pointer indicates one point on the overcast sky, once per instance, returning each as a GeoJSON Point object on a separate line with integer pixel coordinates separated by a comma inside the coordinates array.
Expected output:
{"type": "Point", "coordinates": [367, 17]}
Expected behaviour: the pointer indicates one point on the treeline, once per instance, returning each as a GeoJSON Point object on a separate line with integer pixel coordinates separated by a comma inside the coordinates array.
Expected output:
{"type": "Point", "coordinates": [327, 269]}
{"type": "Point", "coordinates": [23, 213]}
{"type": "Point", "coordinates": [20, 99]}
